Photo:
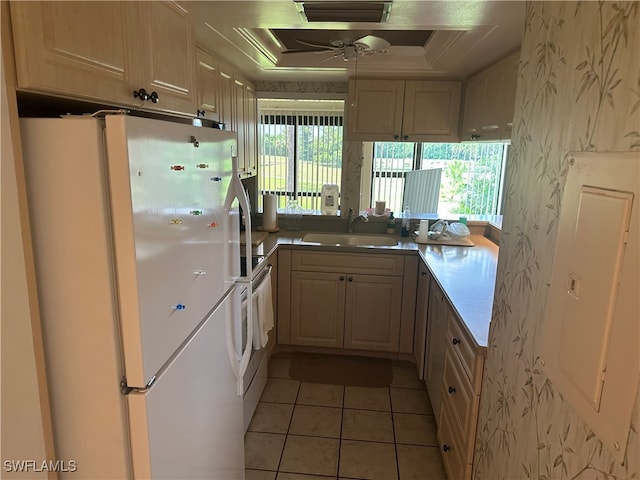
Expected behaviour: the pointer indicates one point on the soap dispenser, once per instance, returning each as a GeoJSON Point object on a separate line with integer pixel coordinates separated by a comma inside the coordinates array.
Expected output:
{"type": "Point", "coordinates": [391, 224]}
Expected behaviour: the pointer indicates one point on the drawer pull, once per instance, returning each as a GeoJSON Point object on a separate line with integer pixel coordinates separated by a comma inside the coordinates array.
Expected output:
{"type": "Point", "coordinates": [446, 448]}
{"type": "Point", "coordinates": [452, 389]}
{"type": "Point", "coordinates": [455, 341]}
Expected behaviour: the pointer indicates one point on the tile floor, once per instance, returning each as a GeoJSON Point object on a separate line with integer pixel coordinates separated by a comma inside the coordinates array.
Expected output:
{"type": "Point", "coordinates": [307, 431]}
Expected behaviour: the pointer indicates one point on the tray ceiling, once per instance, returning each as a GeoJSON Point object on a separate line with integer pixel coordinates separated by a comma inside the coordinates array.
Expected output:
{"type": "Point", "coordinates": [445, 39]}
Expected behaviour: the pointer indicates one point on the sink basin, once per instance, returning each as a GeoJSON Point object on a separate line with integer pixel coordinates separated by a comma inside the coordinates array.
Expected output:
{"type": "Point", "coordinates": [352, 239]}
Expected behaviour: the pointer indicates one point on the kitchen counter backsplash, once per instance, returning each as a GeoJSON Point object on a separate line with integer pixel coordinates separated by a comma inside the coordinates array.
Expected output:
{"type": "Point", "coordinates": [486, 225]}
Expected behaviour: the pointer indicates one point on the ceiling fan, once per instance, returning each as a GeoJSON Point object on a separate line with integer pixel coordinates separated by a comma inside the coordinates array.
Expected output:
{"type": "Point", "coordinates": [348, 49]}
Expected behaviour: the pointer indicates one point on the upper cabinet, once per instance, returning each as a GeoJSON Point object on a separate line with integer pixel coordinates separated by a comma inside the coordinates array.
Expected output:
{"type": "Point", "coordinates": [403, 110]}
{"type": "Point", "coordinates": [208, 85]}
{"type": "Point", "coordinates": [490, 100]}
{"type": "Point", "coordinates": [137, 54]}
{"type": "Point", "coordinates": [167, 55]}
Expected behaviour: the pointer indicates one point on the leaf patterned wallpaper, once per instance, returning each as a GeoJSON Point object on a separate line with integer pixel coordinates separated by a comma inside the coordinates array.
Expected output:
{"type": "Point", "coordinates": [578, 89]}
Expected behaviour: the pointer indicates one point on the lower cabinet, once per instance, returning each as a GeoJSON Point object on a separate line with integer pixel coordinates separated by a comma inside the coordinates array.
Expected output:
{"type": "Point", "coordinates": [351, 301]}
{"type": "Point", "coordinates": [438, 311]}
{"type": "Point", "coordinates": [317, 309]}
{"type": "Point", "coordinates": [373, 304]}
{"type": "Point", "coordinates": [460, 399]}
{"type": "Point", "coordinates": [453, 376]}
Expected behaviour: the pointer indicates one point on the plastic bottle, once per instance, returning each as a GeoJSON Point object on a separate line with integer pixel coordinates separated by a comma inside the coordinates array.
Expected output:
{"type": "Point", "coordinates": [329, 199]}
{"type": "Point", "coordinates": [294, 215]}
{"type": "Point", "coordinates": [391, 224]}
{"type": "Point", "coordinates": [406, 222]}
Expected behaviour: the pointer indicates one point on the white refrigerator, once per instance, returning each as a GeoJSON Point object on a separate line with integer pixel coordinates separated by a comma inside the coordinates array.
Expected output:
{"type": "Point", "coordinates": [136, 242]}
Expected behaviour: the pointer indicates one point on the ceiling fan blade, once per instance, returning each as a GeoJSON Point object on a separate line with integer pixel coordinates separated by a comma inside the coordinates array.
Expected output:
{"type": "Point", "coordinates": [331, 57]}
{"type": "Point", "coordinates": [312, 43]}
{"type": "Point", "coordinates": [405, 51]}
{"type": "Point", "coordinates": [372, 43]}
{"type": "Point", "coordinates": [308, 50]}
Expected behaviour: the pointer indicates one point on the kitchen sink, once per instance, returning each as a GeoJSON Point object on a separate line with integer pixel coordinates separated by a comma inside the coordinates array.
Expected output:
{"type": "Point", "coordinates": [352, 239]}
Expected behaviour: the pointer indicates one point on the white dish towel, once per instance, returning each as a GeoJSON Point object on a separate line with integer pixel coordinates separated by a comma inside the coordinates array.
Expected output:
{"type": "Point", "coordinates": [262, 313]}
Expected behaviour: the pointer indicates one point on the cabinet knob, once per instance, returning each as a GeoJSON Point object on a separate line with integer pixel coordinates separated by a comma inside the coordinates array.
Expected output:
{"type": "Point", "coordinates": [154, 97]}
{"type": "Point", "coordinates": [455, 341]}
{"type": "Point", "coordinates": [342, 278]}
{"type": "Point", "coordinates": [350, 279]}
{"type": "Point", "coordinates": [452, 389]}
{"type": "Point", "coordinates": [423, 274]}
{"type": "Point", "coordinates": [446, 448]}
{"type": "Point", "coordinates": [201, 113]}
{"type": "Point", "coordinates": [475, 136]}
{"type": "Point", "coordinates": [141, 94]}
{"type": "Point", "coordinates": [406, 137]}
{"type": "Point", "coordinates": [396, 137]}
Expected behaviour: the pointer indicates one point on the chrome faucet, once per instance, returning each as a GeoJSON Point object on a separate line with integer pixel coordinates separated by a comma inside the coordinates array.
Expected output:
{"type": "Point", "coordinates": [351, 222]}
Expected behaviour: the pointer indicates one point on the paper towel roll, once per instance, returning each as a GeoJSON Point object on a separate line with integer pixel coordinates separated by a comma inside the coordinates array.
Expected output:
{"type": "Point", "coordinates": [423, 230]}
{"type": "Point", "coordinates": [269, 212]}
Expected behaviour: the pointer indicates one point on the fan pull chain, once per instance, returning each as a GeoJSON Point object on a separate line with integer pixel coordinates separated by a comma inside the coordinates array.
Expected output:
{"type": "Point", "coordinates": [355, 86]}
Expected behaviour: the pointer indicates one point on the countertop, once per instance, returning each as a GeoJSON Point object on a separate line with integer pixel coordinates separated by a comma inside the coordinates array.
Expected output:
{"type": "Point", "coordinates": [466, 274]}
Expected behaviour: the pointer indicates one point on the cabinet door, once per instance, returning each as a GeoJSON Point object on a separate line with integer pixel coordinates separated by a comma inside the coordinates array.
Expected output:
{"type": "Point", "coordinates": [509, 83]}
{"type": "Point", "coordinates": [251, 127]}
{"type": "Point", "coordinates": [473, 106]}
{"type": "Point", "coordinates": [225, 112]}
{"type": "Point", "coordinates": [76, 49]}
{"type": "Point", "coordinates": [431, 111]}
{"type": "Point", "coordinates": [372, 314]}
{"type": "Point", "coordinates": [420, 336]}
{"type": "Point", "coordinates": [453, 455]}
{"type": "Point", "coordinates": [167, 56]}
{"type": "Point", "coordinates": [317, 309]}
{"type": "Point", "coordinates": [436, 336]}
{"type": "Point", "coordinates": [208, 86]}
{"type": "Point", "coordinates": [374, 110]}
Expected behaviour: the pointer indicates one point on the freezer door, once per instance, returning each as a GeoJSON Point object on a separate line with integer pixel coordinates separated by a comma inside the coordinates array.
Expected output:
{"type": "Point", "coordinates": [173, 238]}
{"type": "Point", "coordinates": [189, 424]}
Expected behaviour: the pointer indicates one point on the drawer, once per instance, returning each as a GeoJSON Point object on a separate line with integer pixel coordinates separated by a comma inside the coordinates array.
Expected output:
{"type": "Point", "coordinates": [314, 261]}
{"type": "Point", "coordinates": [462, 402]}
{"type": "Point", "coordinates": [471, 361]}
{"type": "Point", "coordinates": [453, 454]}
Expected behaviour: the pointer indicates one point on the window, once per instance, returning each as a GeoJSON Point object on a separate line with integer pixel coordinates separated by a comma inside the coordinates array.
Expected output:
{"type": "Point", "coordinates": [300, 149]}
{"type": "Point", "coordinates": [470, 175]}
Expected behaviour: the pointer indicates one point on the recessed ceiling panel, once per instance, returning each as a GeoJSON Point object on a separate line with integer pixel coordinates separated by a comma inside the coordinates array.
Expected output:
{"type": "Point", "coordinates": [408, 38]}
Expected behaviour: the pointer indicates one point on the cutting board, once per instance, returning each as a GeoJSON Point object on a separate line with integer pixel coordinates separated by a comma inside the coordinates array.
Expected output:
{"type": "Point", "coordinates": [256, 238]}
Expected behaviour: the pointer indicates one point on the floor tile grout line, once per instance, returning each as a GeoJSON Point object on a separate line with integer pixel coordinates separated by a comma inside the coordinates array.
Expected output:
{"type": "Point", "coordinates": [284, 445]}
{"type": "Point", "coordinates": [344, 393]}
{"type": "Point", "coordinates": [395, 444]}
